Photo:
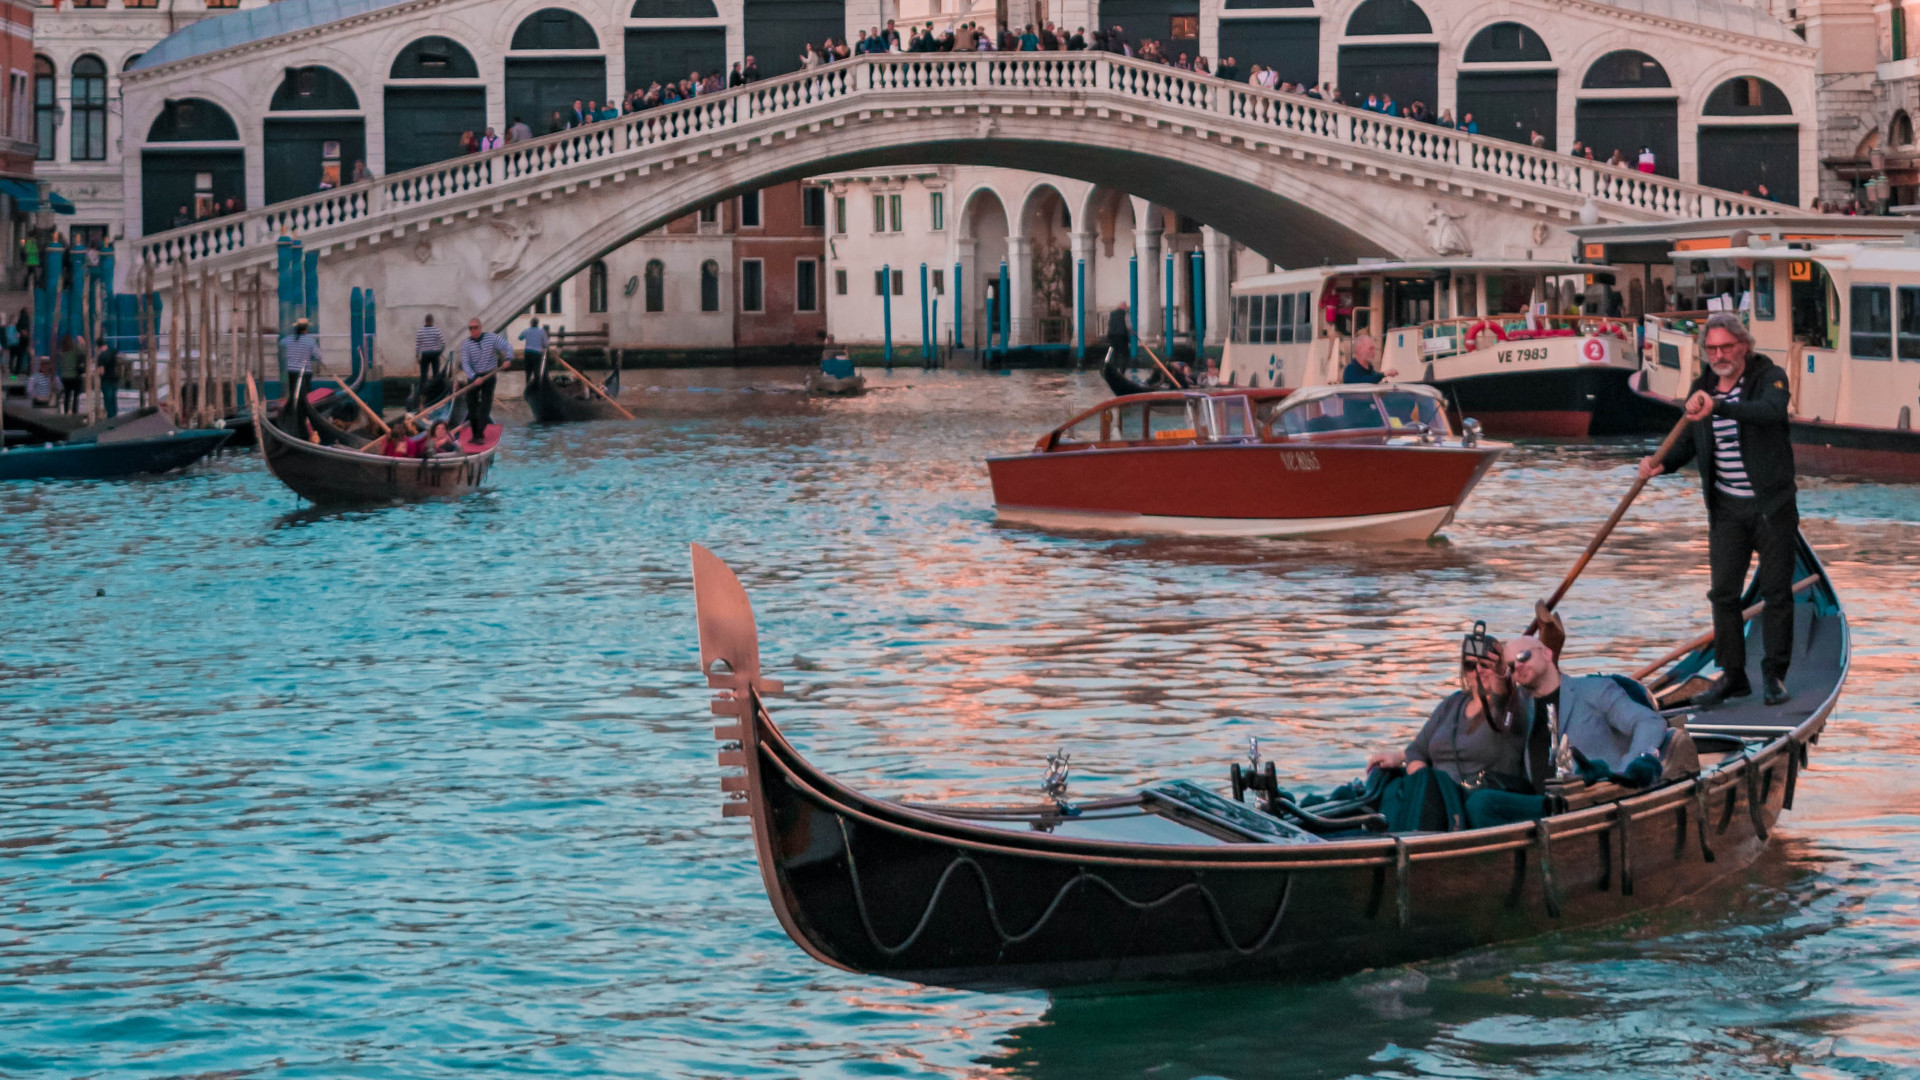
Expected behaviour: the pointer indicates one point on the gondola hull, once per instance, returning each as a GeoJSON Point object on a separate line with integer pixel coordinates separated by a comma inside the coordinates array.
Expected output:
{"type": "Point", "coordinates": [825, 385]}
{"type": "Point", "coordinates": [111, 460]}
{"type": "Point", "coordinates": [335, 476]}
{"type": "Point", "coordinates": [1154, 887]}
{"type": "Point", "coordinates": [552, 403]}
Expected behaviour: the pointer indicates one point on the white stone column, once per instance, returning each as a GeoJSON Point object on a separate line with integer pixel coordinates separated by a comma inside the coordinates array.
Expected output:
{"type": "Point", "coordinates": [1020, 286]}
{"type": "Point", "coordinates": [1083, 312]}
{"type": "Point", "coordinates": [1219, 251]}
{"type": "Point", "coordinates": [1146, 248]}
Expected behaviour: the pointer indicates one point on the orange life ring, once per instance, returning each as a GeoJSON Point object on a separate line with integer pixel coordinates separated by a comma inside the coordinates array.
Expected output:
{"type": "Point", "coordinates": [1473, 334]}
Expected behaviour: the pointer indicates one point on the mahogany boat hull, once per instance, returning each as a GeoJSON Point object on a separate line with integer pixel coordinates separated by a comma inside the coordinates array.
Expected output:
{"type": "Point", "coordinates": [1329, 490]}
{"type": "Point", "coordinates": [945, 896]}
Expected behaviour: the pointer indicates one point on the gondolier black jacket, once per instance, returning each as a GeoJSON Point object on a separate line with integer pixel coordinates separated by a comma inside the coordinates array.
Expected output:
{"type": "Point", "coordinates": [1765, 442]}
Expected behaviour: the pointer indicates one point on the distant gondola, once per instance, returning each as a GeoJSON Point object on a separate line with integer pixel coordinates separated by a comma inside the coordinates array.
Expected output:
{"type": "Point", "coordinates": [136, 443]}
{"type": "Point", "coordinates": [337, 472]}
{"type": "Point", "coordinates": [1124, 385]}
{"type": "Point", "coordinates": [1177, 882]}
{"type": "Point", "coordinates": [560, 397]}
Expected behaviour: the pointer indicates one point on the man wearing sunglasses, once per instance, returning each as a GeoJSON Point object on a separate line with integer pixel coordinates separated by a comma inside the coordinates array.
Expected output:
{"type": "Point", "coordinates": [1740, 437]}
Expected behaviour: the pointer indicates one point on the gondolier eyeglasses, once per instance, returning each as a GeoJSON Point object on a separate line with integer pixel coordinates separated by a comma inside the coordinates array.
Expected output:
{"type": "Point", "coordinates": [1728, 347]}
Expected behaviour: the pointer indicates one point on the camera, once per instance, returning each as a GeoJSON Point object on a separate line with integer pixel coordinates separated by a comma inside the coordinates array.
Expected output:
{"type": "Point", "coordinates": [1477, 645]}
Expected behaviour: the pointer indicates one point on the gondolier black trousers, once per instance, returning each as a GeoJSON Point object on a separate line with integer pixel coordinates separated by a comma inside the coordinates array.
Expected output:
{"type": "Point", "coordinates": [429, 367]}
{"type": "Point", "coordinates": [1738, 532]}
{"type": "Point", "coordinates": [480, 407]}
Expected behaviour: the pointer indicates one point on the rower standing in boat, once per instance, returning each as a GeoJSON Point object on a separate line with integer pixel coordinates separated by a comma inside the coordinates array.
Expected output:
{"type": "Point", "coordinates": [302, 352]}
{"type": "Point", "coordinates": [429, 344]}
{"type": "Point", "coordinates": [481, 354]}
{"type": "Point", "coordinates": [533, 347]}
{"type": "Point", "coordinates": [1740, 437]}
{"type": "Point", "coordinates": [1120, 332]}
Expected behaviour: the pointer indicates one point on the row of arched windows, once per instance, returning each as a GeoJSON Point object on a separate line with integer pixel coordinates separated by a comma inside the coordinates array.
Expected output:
{"type": "Point", "coordinates": [87, 108]}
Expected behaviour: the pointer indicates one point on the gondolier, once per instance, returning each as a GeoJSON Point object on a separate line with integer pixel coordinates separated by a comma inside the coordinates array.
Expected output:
{"type": "Point", "coordinates": [480, 355]}
{"type": "Point", "coordinates": [1740, 437]}
{"type": "Point", "coordinates": [533, 345]}
{"type": "Point", "coordinates": [429, 344]}
{"type": "Point", "coordinates": [1120, 331]}
{"type": "Point", "coordinates": [301, 351]}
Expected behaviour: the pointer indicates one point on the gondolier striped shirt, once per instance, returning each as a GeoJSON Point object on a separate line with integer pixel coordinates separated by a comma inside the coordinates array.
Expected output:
{"type": "Point", "coordinates": [302, 351]}
{"type": "Point", "coordinates": [429, 339]}
{"type": "Point", "coordinates": [1729, 468]}
{"type": "Point", "coordinates": [483, 354]}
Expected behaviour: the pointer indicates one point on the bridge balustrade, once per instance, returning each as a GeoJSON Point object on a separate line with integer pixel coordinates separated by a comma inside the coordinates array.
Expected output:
{"type": "Point", "coordinates": [1055, 79]}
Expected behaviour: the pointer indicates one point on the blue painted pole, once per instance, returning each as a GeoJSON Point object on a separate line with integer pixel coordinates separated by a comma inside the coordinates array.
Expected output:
{"type": "Point", "coordinates": [926, 315]}
{"type": "Point", "coordinates": [933, 357]}
{"type": "Point", "coordinates": [356, 326]}
{"type": "Point", "coordinates": [310, 289]}
{"type": "Point", "coordinates": [53, 265]}
{"type": "Point", "coordinates": [286, 255]}
{"type": "Point", "coordinates": [1197, 262]}
{"type": "Point", "coordinates": [73, 315]}
{"type": "Point", "coordinates": [372, 331]}
{"type": "Point", "coordinates": [886, 315]}
{"type": "Point", "coordinates": [110, 319]}
{"type": "Point", "coordinates": [1079, 311]}
{"type": "Point", "coordinates": [1166, 310]}
{"type": "Point", "coordinates": [959, 307]}
{"type": "Point", "coordinates": [1133, 302]}
{"type": "Point", "coordinates": [1006, 307]}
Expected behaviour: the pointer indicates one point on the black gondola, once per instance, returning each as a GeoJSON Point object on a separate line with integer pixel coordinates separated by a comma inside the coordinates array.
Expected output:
{"type": "Point", "coordinates": [1177, 882]}
{"type": "Point", "coordinates": [338, 471]}
{"type": "Point", "coordinates": [1125, 385]}
{"type": "Point", "coordinates": [561, 397]}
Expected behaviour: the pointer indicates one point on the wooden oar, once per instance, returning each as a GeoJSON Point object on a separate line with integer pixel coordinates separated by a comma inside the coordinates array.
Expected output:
{"type": "Point", "coordinates": [365, 408]}
{"type": "Point", "coordinates": [1679, 651]}
{"type": "Point", "coordinates": [593, 386]}
{"type": "Point", "coordinates": [414, 416]}
{"type": "Point", "coordinates": [1606, 529]}
{"type": "Point", "coordinates": [1162, 367]}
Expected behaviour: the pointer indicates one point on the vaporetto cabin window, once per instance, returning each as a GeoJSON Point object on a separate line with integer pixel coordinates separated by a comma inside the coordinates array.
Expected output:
{"type": "Point", "coordinates": [1870, 322]}
{"type": "Point", "coordinates": [1281, 319]}
{"type": "Point", "coordinates": [1909, 303]}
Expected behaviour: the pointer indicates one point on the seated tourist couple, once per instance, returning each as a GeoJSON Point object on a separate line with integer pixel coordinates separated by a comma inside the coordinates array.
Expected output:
{"type": "Point", "coordinates": [1487, 753]}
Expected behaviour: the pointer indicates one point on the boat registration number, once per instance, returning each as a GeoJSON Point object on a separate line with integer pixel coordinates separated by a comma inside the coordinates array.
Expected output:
{"type": "Point", "coordinates": [1519, 356]}
{"type": "Point", "coordinates": [1299, 461]}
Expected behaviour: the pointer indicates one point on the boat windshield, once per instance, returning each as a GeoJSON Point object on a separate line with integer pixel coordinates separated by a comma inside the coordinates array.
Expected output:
{"type": "Point", "coordinates": [1407, 409]}
{"type": "Point", "coordinates": [1353, 411]}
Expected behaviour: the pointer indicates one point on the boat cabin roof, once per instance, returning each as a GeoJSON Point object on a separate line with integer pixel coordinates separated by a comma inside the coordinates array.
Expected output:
{"type": "Point", "coordinates": [1859, 255]}
{"type": "Point", "coordinates": [1409, 268]}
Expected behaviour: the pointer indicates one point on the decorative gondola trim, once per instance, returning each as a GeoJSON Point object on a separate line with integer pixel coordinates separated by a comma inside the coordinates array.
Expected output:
{"type": "Point", "coordinates": [1543, 838]}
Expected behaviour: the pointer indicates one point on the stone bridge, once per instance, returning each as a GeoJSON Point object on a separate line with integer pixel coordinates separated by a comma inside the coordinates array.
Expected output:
{"type": "Point", "coordinates": [1292, 178]}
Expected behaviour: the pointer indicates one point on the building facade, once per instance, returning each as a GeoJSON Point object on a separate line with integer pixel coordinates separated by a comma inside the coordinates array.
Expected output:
{"type": "Point", "coordinates": [19, 197]}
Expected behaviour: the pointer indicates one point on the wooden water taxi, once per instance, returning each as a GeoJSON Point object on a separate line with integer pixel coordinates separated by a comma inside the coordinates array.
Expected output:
{"type": "Point", "coordinates": [1176, 881]}
{"type": "Point", "coordinates": [1338, 462]}
{"type": "Point", "coordinates": [1491, 336]}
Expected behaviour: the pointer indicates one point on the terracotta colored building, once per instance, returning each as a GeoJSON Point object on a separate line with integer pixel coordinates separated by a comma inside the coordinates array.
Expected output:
{"type": "Point", "coordinates": [17, 136]}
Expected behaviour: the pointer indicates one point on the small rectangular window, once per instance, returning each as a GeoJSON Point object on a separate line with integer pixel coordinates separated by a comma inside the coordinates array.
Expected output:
{"type": "Point", "coordinates": [709, 213]}
{"type": "Point", "coordinates": [1909, 322]}
{"type": "Point", "coordinates": [1271, 334]}
{"type": "Point", "coordinates": [1763, 290]}
{"type": "Point", "coordinates": [1239, 329]}
{"type": "Point", "coordinates": [1871, 322]}
{"type": "Point", "coordinates": [939, 283]}
{"type": "Point", "coordinates": [840, 215]}
{"type": "Point", "coordinates": [1302, 317]}
{"type": "Point", "coordinates": [879, 213]}
{"type": "Point", "coordinates": [752, 285]}
{"type": "Point", "coordinates": [839, 283]}
{"type": "Point", "coordinates": [879, 283]}
{"type": "Point", "coordinates": [893, 212]}
{"type": "Point", "coordinates": [899, 283]}
{"type": "Point", "coordinates": [806, 285]}
{"type": "Point", "coordinates": [937, 210]}
{"type": "Point", "coordinates": [1286, 319]}
{"type": "Point", "coordinates": [750, 210]}
{"type": "Point", "coordinates": [813, 208]}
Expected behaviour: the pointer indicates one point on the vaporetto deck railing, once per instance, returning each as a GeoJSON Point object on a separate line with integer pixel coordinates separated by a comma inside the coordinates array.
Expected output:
{"type": "Point", "coordinates": [1050, 80]}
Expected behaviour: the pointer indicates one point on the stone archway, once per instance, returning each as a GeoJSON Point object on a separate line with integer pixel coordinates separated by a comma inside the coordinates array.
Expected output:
{"type": "Point", "coordinates": [985, 229]}
{"type": "Point", "coordinates": [1043, 272]}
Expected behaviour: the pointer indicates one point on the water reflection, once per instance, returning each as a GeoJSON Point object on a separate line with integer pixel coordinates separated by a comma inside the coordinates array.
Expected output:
{"type": "Point", "coordinates": [418, 791]}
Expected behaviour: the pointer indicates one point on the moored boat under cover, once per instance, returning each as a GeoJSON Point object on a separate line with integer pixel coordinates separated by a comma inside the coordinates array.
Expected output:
{"type": "Point", "coordinates": [1177, 882]}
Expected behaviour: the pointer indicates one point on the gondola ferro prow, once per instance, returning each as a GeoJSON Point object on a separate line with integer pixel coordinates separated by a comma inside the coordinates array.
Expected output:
{"type": "Point", "coordinates": [730, 658]}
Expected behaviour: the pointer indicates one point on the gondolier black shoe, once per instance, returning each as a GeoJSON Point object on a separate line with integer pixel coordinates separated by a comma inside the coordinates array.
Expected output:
{"type": "Point", "coordinates": [1719, 693]}
{"type": "Point", "coordinates": [1776, 688]}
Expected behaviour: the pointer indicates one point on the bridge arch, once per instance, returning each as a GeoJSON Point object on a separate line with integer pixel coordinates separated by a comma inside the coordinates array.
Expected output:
{"type": "Point", "coordinates": [1627, 102]}
{"type": "Point", "coordinates": [432, 94]}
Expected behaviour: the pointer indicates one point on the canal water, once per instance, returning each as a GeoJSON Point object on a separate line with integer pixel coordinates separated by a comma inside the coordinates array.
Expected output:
{"type": "Point", "coordinates": [429, 791]}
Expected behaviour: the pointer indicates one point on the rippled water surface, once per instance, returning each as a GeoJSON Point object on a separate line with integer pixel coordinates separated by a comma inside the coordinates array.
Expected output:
{"type": "Point", "coordinates": [429, 791]}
